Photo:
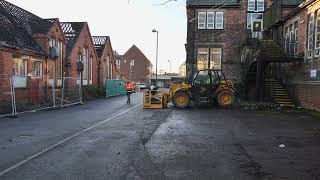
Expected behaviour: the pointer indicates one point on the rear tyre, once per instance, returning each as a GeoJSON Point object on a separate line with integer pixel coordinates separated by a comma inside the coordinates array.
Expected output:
{"type": "Point", "coordinates": [225, 98]}
{"type": "Point", "coordinates": [181, 99]}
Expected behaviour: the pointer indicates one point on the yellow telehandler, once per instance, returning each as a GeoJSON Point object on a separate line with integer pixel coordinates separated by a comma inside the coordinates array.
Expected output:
{"type": "Point", "coordinates": [207, 87]}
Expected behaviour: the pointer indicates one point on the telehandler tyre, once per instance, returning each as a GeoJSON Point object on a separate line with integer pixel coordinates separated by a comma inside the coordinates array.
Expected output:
{"type": "Point", "coordinates": [225, 98]}
{"type": "Point", "coordinates": [181, 99]}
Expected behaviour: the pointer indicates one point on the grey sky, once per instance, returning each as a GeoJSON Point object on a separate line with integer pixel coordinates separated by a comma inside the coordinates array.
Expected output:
{"type": "Point", "coordinates": [126, 23]}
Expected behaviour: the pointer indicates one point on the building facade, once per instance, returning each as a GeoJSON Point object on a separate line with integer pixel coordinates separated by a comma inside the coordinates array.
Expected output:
{"type": "Point", "coordinates": [106, 59]}
{"type": "Point", "coordinates": [214, 34]}
{"type": "Point", "coordinates": [80, 49]}
{"type": "Point", "coordinates": [32, 53]}
{"type": "Point", "coordinates": [298, 31]}
{"type": "Point", "coordinates": [135, 66]}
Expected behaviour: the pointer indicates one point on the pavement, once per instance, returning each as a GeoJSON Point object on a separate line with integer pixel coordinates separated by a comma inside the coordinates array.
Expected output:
{"type": "Point", "coordinates": [109, 139]}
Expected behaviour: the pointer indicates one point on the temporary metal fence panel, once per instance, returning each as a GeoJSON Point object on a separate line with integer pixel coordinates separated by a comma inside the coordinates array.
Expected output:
{"type": "Point", "coordinates": [7, 106]}
{"type": "Point", "coordinates": [35, 93]}
{"type": "Point", "coordinates": [72, 92]}
{"type": "Point", "coordinates": [114, 87]}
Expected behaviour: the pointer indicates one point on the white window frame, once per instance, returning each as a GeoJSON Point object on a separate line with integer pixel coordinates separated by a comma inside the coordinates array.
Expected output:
{"type": "Point", "coordinates": [252, 5]}
{"type": "Point", "coordinates": [210, 20]}
{"type": "Point", "coordinates": [317, 34]}
{"type": "Point", "coordinates": [296, 36]}
{"type": "Point", "coordinates": [202, 20]}
{"type": "Point", "coordinates": [60, 59]}
{"type": "Point", "coordinates": [203, 53]}
{"type": "Point", "coordinates": [219, 52]}
{"type": "Point", "coordinates": [85, 65]}
{"type": "Point", "coordinates": [260, 8]}
{"type": "Point", "coordinates": [34, 69]}
{"type": "Point", "coordinates": [310, 35]}
{"type": "Point", "coordinates": [90, 70]}
{"type": "Point", "coordinates": [219, 25]}
{"type": "Point", "coordinates": [17, 71]}
{"type": "Point", "coordinates": [132, 63]}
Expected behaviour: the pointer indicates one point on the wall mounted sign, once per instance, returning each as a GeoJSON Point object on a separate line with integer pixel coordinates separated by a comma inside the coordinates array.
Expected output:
{"type": "Point", "coordinates": [313, 73]}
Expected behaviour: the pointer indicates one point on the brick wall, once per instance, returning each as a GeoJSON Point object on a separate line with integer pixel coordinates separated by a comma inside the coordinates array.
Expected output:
{"type": "Point", "coordinates": [105, 67]}
{"type": "Point", "coordinates": [307, 95]}
{"type": "Point", "coordinates": [229, 39]}
{"type": "Point", "coordinates": [140, 70]}
{"type": "Point", "coordinates": [84, 41]}
{"type": "Point", "coordinates": [302, 87]}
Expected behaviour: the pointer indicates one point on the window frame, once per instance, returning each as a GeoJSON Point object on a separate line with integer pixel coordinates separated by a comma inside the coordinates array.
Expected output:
{"type": "Point", "coordinates": [204, 18]}
{"type": "Point", "coordinates": [317, 34]}
{"type": "Point", "coordinates": [206, 65]}
{"type": "Point", "coordinates": [34, 68]}
{"type": "Point", "coordinates": [216, 20]}
{"type": "Point", "coordinates": [310, 34]}
{"type": "Point", "coordinates": [213, 20]}
{"type": "Point", "coordinates": [215, 53]}
{"type": "Point", "coordinates": [17, 67]}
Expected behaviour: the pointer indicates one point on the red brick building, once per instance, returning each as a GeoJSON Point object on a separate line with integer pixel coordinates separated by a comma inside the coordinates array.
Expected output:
{"type": "Point", "coordinates": [80, 48]}
{"type": "Point", "coordinates": [298, 33]}
{"type": "Point", "coordinates": [215, 31]}
{"type": "Point", "coordinates": [135, 66]}
{"type": "Point", "coordinates": [32, 51]}
{"type": "Point", "coordinates": [106, 60]}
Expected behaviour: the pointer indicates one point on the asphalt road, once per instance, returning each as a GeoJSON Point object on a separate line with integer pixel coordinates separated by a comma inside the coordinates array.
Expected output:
{"type": "Point", "coordinates": [109, 139]}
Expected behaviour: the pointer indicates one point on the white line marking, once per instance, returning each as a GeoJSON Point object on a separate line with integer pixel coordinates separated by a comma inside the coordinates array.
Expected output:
{"type": "Point", "coordinates": [63, 141]}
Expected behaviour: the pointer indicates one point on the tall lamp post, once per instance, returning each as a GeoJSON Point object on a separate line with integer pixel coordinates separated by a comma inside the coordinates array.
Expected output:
{"type": "Point", "coordinates": [155, 31]}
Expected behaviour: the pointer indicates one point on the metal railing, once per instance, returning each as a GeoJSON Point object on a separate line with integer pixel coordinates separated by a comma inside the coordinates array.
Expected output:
{"type": "Point", "coordinates": [20, 94]}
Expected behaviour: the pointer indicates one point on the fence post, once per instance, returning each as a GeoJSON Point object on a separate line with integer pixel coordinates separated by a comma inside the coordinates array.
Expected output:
{"type": "Point", "coordinates": [62, 93]}
{"type": "Point", "coordinates": [13, 98]}
{"type": "Point", "coordinates": [80, 91]}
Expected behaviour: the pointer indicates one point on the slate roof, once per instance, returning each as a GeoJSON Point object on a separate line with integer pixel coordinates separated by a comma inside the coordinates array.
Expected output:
{"type": "Point", "coordinates": [212, 2]}
{"type": "Point", "coordinates": [17, 27]}
{"type": "Point", "coordinates": [72, 31]}
{"type": "Point", "coordinates": [99, 43]}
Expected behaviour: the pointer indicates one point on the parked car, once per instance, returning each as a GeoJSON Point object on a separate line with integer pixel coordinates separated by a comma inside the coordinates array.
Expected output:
{"type": "Point", "coordinates": [143, 85]}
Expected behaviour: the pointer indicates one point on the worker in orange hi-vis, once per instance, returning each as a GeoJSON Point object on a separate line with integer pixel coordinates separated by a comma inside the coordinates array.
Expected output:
{"type": "Point", "coordinates": [129, 89]}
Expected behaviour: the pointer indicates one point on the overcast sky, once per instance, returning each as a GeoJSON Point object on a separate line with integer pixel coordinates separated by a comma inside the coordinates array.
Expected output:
{"type": "Point", "coordinates": [127, 23]}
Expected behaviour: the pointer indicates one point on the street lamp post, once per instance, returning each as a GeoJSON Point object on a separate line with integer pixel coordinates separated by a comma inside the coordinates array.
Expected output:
{"type": "Point", "coordinates": [170, 64]}
{"type": "Point", "coordinates": [155, 31]}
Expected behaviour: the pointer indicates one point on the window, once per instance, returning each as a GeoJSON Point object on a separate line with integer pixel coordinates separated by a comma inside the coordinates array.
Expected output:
{"type": "Point", "coordinates": [60, 48]}
{"type": "Point", "coordinates": [52, 66]}
{"type": "Point", "coordinates": [256, 5]}
{"type": "Point", "coordinates": [210, 20]}
{"type": "Point", "coordinates": [37, 68]}
{"type": "Point", "coordinates": [90, 70]}
{"type": "Point", "coordinates": [202, 59]}
{"type": "Point", "coordinates": [251, 5]}
{"type": "Point", "coordinates": [125, 61]}
{"type": "Point", "coordinates": [132, 63]}
{"type": "Point", "coordinates": [20, 67]}
{"type": "Point", "coordinates": [52, 42]}
{"type": "Point", "coordinates": [85, 64]}
{"type": "Point", "coordinates": [201, 20]}
{"type": "Point", "coordinates": [317, 35]}
{"type": "Point", "coordinates": [260, 5]}
{"type": "Point", "coordinates": [286, 42]}
{"type": "Point", "coordinates": [202, 77]}
{"type": "Point", "coordinates": [80, 60]}
{"type": "Point", "coordinates": [291, 39]}
{"type": "Point", "coordinates": [310, 34]}
{"type": "Point", "coordinates": [215, 58]}
{"type": "Point", "coordinates": [295, 46]}
{"type": "Point", "coordinates": [219, 20]}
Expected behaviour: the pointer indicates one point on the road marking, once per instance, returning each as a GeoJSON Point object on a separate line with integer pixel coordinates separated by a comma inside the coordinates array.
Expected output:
{"type": "Point", "coordinates": [63, 141]}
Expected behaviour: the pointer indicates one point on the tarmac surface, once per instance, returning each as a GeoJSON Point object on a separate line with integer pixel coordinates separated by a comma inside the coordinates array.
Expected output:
{"type": "Point", "coordinates": [109, 139]}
